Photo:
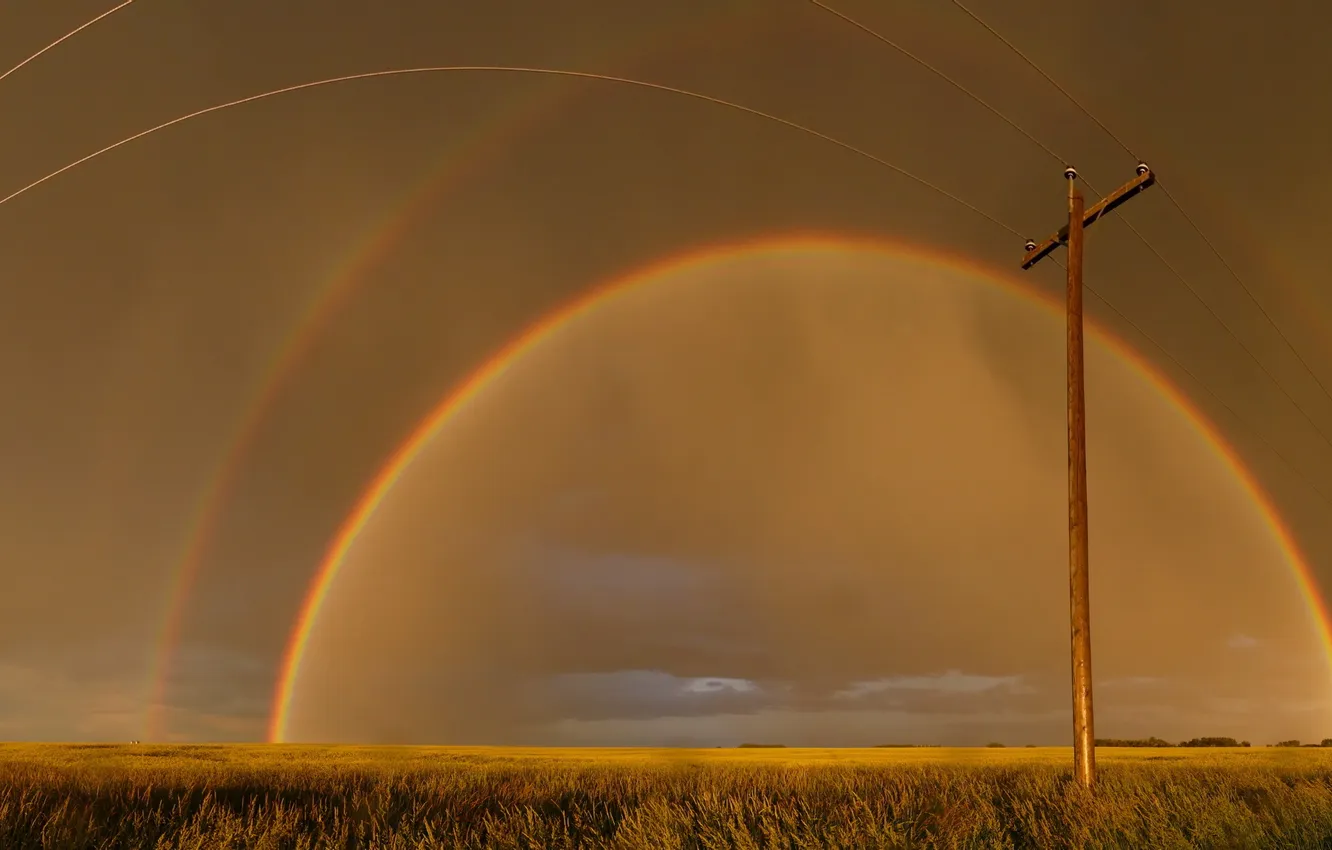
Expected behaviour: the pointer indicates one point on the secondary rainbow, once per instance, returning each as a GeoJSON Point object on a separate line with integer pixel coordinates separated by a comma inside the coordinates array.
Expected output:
{"type": "Point", "coordinates": [465, 158]}
{"type": "Point", "coordinates": [457, 399]}
{"type": "Point", "coordinates": [351, 270]}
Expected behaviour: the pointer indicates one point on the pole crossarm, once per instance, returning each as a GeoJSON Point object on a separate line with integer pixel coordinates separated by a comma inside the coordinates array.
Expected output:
{"type": "Point", "coordinates": [1146, 177]}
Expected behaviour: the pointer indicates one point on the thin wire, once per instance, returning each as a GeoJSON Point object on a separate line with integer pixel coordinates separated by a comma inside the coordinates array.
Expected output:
{"type": "Point", "coordinates": [940, 74]}
{"type": "Point", "coordinates": [1037, 68]}
{"type": "Point", "coordinates": [659, 87]}
{"type": "Point", "coordinates": [1216, 252]}
{"type": "Point", "coordinates": [1199, 382]}
{"type": "Point", "coordinates": [1228, 329]}
{"type": "Point", "coordinates": [1229, 268]}
{"type": "Point", "coordinates": [108, 13]}
{"type": "Point", "coordinates": [586, 75]}
{"type": "Point", "coordinates": [865, 28]}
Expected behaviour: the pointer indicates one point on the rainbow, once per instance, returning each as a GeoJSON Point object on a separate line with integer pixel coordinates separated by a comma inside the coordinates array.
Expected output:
{"type": "Point", "coordinates": [496, 366]}
{"type": "Point", "coordinates": [329, 300]}
{"type": "Point", "coordinates": [465, 158]}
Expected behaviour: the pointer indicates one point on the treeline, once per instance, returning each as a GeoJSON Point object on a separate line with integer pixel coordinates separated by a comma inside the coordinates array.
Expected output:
{"type": "Point", "coordinates": [1132, 742]}
{"type": "Point", "coordinates": [1198, 742]}
{"type": "Point", "coordinates": [1158, 742]}
{"type": "Point", "coordinates": [1326, 742]}
{"type": "Point", "coordinates": [1105, 742]}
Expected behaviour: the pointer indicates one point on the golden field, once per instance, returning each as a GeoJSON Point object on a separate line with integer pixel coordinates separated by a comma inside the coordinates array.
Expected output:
{"type": "Point", "coordinates": [258, 796]}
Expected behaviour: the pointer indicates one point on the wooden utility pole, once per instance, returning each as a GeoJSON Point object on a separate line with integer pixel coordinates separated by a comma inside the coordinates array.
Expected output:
{"type": "Point", "coordinates": [1071, 234]}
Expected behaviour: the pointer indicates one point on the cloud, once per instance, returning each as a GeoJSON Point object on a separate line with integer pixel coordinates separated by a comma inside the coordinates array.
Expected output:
{"type": "Point", "coordinates": [649, 693]}
{"type": "Point", "coordinates": [38, 703]}
{"type": "Point", "coordinates": [715, 685]}
{"type": "Point", "coordinates": [951, 682]}
{"type": "Point", "coordinates": [215, 693]}
{"type": "Point", "coordinates": [104, 695]}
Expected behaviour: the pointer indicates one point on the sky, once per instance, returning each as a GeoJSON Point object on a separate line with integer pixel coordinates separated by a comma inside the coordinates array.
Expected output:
{"type": "Point", "coordinates": [806, 492]}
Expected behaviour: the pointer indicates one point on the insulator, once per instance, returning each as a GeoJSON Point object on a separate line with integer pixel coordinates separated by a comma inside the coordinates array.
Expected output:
{"type": "Point", "coordinates": [1142, 168]}
{"type": "Point", "coordinates": [1030, 246]}
{"type": "Point", "coordinates": [1071, 173]}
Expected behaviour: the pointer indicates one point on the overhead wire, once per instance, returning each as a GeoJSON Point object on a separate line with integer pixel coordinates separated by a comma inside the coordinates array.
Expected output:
{"type": "Point", "coordinates": [1138, 234]}
{"type": "Point", "coordinates": [847, 19]}
{"type": "Point", "coordinates": [512, 69]}
{"type": "Point", "coordinates": [108, 13]}
{"type": "Point", "coordinates": [604, 77]}
{"type": "Point", "coordinates": [777, 119]}
{"type": "Point", "coordinates": [1049, 79]}
{"type": "Point", "coordinates": [1211, 245]}
{"type": "Point", "coordinates": [933, 69]}
{"type": "Point", "coordinates": [1268, 444]}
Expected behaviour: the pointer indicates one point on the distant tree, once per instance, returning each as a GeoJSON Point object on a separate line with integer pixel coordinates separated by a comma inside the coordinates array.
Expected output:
{"type": "Point", "coordinates": [1029, 745]}
{"type": "Point", "coordinates": [1212, 742]}
{"type": "Point", "coordinates": [1245, 744]}
{"type": "Point", "coordinates": [995, 744]}
{"type": "Point", "coordinates": [1326, 742]}
{"type": "Point", "coordinates": [1290, 743]}
{"type": "Point", "coordinates": [1132, 742]}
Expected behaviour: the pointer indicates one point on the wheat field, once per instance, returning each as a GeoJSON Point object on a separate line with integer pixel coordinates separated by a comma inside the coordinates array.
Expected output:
{"type": "Point", "coordinates": [256, 796]}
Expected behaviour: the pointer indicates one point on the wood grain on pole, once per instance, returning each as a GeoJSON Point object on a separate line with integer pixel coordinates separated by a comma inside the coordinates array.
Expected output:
{"type": "Point", "coordinates": [1084, 752]}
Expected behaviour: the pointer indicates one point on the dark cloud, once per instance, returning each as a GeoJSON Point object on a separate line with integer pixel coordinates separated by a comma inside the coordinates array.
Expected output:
{"type": "Point", "coordinates": [647, 693]}
{"type": "Point", "coordinates": [218, 681]}
{"type": "Point", "coordinates": [43, 704]}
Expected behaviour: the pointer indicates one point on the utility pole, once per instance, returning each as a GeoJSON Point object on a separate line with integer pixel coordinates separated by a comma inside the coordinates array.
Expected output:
{"type": "Point", "coordinates": [1071, 234]}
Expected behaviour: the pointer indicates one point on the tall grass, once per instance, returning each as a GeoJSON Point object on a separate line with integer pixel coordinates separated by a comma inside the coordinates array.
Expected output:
{"type": "Point", "coordinates": [252, 797]}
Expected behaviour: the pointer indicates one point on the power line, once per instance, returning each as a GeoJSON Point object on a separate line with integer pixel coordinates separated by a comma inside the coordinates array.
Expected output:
{"type": "Point", "coordinates": [940, 74]}
{"type": "Point", "coordinates": [732, 105]}
{"type": "Point", "coordinates": [554, 72]}
{"type": "Point", "coordinates": [108, 13]}
{"type": "Point", "coordinates": [1216, 252]}
{"type": "Point", "coordinates": [1051, 80]}
{"type": "Point", "coordinates": [1222, 322]}
{"type": "Point", "coordinates": [1152, 248]}
{"type": "Point", "coordinates": [1229, 268]}
{"type": "Point", "coordinates": [1210, 392]}
{"type": "Point", "coordinates": [589, 75]}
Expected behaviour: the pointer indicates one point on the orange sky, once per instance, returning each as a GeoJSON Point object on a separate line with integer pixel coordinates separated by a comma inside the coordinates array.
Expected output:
{"type": "Point", "coordinates": [147, 295]}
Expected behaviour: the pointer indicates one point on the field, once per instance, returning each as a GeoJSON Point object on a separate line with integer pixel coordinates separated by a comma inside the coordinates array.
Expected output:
{"type": "Point", "coordinates": [207, 796]}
